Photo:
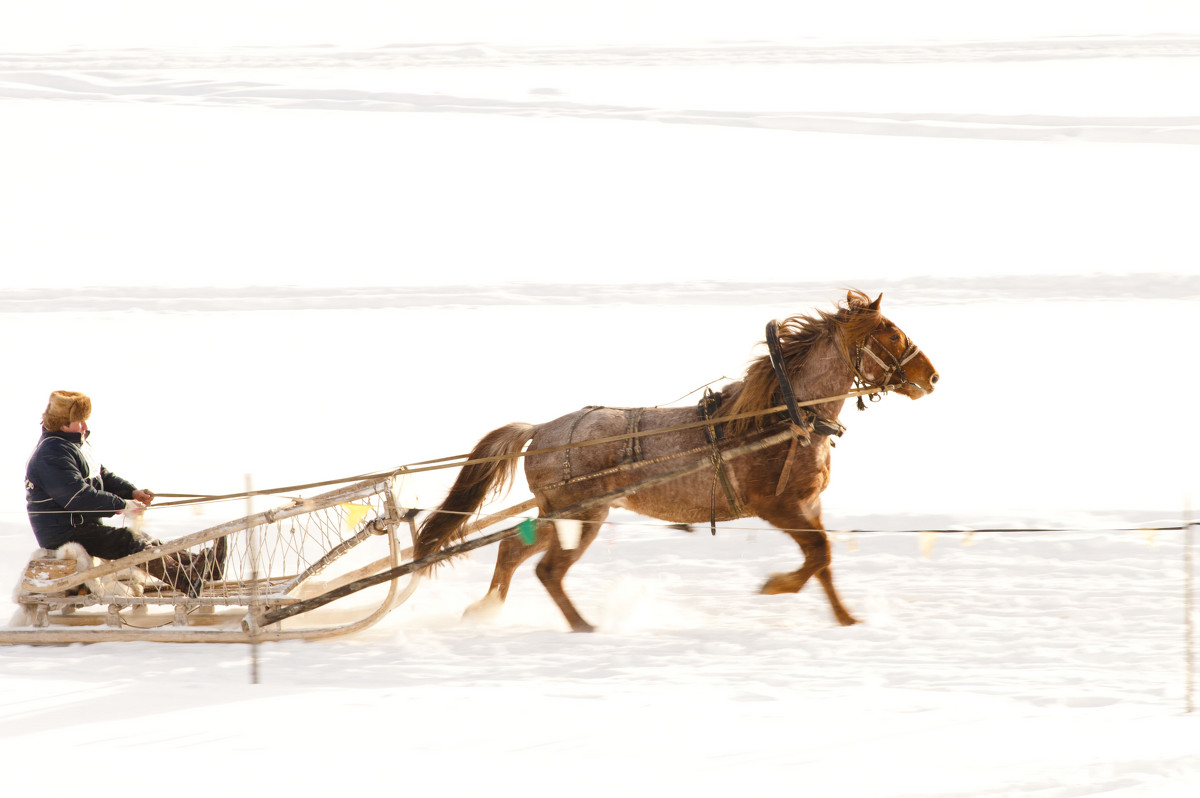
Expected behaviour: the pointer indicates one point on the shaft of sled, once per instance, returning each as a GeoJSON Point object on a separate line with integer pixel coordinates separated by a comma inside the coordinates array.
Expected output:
{"type": "Point", "coordinates": [495, 518]}
{"type": "Point", "coordinates": [283, 613]}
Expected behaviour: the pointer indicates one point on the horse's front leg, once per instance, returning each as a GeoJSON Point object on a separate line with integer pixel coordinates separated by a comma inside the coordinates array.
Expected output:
{"type": "Point", "coordinates": [554, 566]}
{"type": "Point", "coordinates": [808, 532]}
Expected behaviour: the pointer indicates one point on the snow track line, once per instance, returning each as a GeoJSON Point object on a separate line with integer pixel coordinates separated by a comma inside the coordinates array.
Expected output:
{"type": "Point", "coordinates": [1106, 129]}
{"type": "Point", "coordinates": [481, 54]}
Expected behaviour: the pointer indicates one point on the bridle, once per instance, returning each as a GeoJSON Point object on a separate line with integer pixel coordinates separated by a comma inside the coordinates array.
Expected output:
{"type": "Point", "coordinates": [893, 369]}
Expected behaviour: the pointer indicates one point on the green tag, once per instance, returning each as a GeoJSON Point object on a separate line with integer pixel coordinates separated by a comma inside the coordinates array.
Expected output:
{"type": "Point", "coordinates": [527, 529]}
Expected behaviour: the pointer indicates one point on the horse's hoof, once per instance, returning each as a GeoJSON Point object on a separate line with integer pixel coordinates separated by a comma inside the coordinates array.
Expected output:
{"type": "Point", "coordinates": [780, 583]}
{"type": "Point", "coordinates": [847, 620]}
{"type": "Point", "coordinates": [486, 609]}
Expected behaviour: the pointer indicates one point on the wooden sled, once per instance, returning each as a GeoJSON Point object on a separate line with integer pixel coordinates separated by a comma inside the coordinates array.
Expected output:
{"type": "Point", "coordinates": [274, 559]}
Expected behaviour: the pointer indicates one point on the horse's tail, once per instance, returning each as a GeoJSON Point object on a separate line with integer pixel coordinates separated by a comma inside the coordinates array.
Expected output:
{"type": "Point", "coordinates": [474, 484]}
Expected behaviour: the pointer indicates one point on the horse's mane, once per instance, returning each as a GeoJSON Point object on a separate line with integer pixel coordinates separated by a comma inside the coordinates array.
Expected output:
{"type": "Point", "coordinates": [850, 323]}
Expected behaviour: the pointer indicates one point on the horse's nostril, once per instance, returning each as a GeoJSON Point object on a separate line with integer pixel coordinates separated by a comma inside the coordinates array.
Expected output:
{"type": "Point", "coordinates": [933, 380]}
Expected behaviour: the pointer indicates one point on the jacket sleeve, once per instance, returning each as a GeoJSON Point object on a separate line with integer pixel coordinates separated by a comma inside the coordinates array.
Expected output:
{"type": "Point", "coordinates": [59, 475]}
{"type": "Point", "coordinates": [117, 485]}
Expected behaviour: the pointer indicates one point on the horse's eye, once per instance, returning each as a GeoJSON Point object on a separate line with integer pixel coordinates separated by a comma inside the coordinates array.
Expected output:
{"type": "Point", "coordinates": [896, 337]}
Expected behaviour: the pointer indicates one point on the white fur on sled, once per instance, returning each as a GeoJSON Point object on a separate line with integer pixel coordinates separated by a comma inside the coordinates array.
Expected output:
{"type": "Point", "coordinates": [123, 583]}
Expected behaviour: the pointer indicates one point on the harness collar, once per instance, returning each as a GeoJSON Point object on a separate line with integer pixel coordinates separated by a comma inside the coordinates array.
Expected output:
{"type": "Point", "coordinates": [803, 418]}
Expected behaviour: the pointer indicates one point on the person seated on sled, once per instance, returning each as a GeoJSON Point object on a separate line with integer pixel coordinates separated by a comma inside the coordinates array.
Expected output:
{"type": "Point", "coordinates": [68, 491]}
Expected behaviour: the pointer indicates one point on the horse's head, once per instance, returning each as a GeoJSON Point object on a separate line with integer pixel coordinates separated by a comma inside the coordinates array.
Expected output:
{"type": "Point", "coordinates": [882, 355]}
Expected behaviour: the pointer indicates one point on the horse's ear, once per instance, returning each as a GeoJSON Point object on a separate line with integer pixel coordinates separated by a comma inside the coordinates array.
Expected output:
{"type": "Point", "coordinates": [859, 299]}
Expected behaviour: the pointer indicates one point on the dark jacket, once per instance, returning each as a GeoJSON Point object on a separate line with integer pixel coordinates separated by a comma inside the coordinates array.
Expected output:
{"type": "Point", "coordinates": [63, 474]}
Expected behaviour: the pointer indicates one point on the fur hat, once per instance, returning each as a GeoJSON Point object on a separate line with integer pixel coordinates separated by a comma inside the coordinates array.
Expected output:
{"type": "Point", "coordinates": [66, 407]}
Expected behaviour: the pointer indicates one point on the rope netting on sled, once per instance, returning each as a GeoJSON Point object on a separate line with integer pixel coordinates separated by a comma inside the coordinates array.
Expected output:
{"type": "Point", "coordinates": [299, 550]}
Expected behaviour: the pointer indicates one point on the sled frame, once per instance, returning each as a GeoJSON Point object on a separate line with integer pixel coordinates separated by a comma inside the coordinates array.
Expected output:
{"type": "Point", "coordinates": [287, 561]}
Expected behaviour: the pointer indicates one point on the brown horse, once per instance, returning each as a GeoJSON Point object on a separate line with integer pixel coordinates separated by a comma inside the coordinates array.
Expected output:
{"type": "Point", "coordinates": [824, 355]}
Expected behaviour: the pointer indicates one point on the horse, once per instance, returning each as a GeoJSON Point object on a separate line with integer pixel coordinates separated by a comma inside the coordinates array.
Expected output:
{"type": "Point", "coordinates": [821, 356]}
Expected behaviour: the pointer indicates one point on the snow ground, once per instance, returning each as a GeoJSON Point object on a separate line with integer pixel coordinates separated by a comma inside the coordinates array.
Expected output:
{"type": "Point", "coordinates": [272, 239]}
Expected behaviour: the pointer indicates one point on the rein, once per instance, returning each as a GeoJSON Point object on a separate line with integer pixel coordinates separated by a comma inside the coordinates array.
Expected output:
{"type": "Point", "coordinates": [459, 460]}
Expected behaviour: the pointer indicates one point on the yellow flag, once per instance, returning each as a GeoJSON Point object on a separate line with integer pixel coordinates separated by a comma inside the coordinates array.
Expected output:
{"type": "Point", "coordinates": [354, 514]}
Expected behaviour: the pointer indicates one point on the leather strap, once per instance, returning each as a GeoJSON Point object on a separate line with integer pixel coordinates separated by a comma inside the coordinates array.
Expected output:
{"type": "Point", "coordinates": [705, 409]}
{"type": "Point", "coordinates": [781, 376]}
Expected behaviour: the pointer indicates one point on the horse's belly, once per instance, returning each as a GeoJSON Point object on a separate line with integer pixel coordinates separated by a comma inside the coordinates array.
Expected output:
{"type": "Point", "coordinates": [674, 513]}
{"type": "Point", "coordinates": [690, 500]}
{"type": "Point", "coordinates": [589, 475]}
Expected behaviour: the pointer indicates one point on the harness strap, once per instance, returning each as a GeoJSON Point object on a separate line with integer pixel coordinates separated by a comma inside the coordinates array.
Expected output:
{"type": "Point", "coordinates": [781, 375]}
{"type": "Point", "coordinates": [706, 409]}
{"type": "Point", "coordinates": [786, 474]}
{"type": "Point", "coordinates": [802, 436]}
{"type": "Point", "coordinates": [631, 448]}
{"type": "Point", "coordinates": [807, 420]}
{"type": "Point", "coordinates": [566, 464]}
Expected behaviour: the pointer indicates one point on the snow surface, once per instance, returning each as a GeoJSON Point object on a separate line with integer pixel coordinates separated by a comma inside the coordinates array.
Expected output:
{"type": "Point", "coordinates": [300, 241]}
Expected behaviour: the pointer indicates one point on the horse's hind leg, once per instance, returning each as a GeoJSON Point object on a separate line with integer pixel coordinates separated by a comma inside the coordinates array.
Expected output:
{"type": "Point", "coordinates": [511, 553]}
{"type": "Point", "coordinates": [554, 566]}
{"type": "Point", "coordinates": [814, 543]}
